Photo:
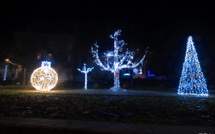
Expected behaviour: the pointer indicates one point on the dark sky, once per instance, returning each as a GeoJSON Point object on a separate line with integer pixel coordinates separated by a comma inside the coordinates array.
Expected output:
{"type": "Point", "coordinates": [162, 25]}
{"type": "Point", "coordinates": [136, 18]}
{"type": "Point", "coordinates": [135, 14]}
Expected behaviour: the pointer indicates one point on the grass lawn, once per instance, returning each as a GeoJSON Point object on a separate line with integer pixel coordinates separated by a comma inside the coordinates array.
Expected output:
{"type": "Point", "coordinates": [174, 110]}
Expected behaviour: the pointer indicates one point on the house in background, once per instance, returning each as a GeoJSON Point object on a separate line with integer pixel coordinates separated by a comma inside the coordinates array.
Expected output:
{"type": "Point", "coordinates": [30, 48]}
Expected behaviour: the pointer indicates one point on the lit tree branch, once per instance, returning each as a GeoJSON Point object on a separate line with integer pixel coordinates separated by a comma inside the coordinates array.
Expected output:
{"type": "Point", "coordinates": [97, 59]}
{"type": "Point", "coordinates": [116, 61]}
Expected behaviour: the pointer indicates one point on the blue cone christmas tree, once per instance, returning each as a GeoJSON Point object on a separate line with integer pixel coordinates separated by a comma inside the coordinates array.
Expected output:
{"type": "Point", "coordinates": [192, 81]}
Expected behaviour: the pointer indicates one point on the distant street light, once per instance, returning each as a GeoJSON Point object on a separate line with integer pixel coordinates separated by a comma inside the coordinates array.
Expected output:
{"type": "Point", "coordinates": [7, 60]}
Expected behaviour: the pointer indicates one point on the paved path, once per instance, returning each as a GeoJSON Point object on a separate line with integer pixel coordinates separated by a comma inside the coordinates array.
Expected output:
{"type": "Point", "coordinates": [7, 124]}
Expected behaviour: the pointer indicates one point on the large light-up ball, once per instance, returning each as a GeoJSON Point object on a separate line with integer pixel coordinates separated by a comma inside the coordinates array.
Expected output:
{"type": "Point", "coordinates": [44, 78]}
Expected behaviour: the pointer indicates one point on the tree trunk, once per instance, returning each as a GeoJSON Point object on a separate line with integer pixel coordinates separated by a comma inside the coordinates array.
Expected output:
{"type": "Point", "coordinates": [116, 86]}
{"type": "Point", "coordinates": [85, 81]}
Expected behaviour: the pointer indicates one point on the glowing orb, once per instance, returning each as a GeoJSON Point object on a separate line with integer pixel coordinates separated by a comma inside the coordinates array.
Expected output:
{"type": "Point", "coordinates": [44, 78]}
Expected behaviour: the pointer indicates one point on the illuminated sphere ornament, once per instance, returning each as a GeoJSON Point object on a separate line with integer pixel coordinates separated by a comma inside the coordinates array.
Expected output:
{"type": "Point", "coordinates": [44, 78]}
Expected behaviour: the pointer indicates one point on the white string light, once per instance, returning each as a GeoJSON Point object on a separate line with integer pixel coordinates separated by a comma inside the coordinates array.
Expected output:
{"type": "Point", "coordinates": [44, 78]}
{"type": "Point", "coordinates": [192, 81]}
{"type": "Point", "coordinates": [85, 70]}
{"type": "Point", "coordinates": [115, 60]}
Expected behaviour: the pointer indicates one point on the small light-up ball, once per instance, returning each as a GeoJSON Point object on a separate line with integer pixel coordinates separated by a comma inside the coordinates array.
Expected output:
{"type": "Point", "coordinates": [44, 78]}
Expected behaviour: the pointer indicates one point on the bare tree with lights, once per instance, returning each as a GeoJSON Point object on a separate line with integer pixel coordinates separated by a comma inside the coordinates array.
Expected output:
{"type": "Point", "coordinates": [116, 60]}
{"type": "Point", "coordinates": [85, 70]}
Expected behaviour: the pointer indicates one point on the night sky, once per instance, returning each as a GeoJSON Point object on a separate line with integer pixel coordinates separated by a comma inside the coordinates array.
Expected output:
{"type": "Point", "coordinates": [162, 26]}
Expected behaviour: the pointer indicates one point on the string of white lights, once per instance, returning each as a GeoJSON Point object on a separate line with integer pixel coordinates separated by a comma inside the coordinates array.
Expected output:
{"type": "Point", "coordinates": [85, 70]}
{"type": "Point", "coordinates": [44, 78]}
{"type": "Point", "coordinates": [116, 60]}
{"type": "Point", "coordinates": [192, 81]}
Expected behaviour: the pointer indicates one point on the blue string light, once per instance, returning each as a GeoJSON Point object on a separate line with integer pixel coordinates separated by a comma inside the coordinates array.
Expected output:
{"type": "Point", "coordinates": [192, 81]}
